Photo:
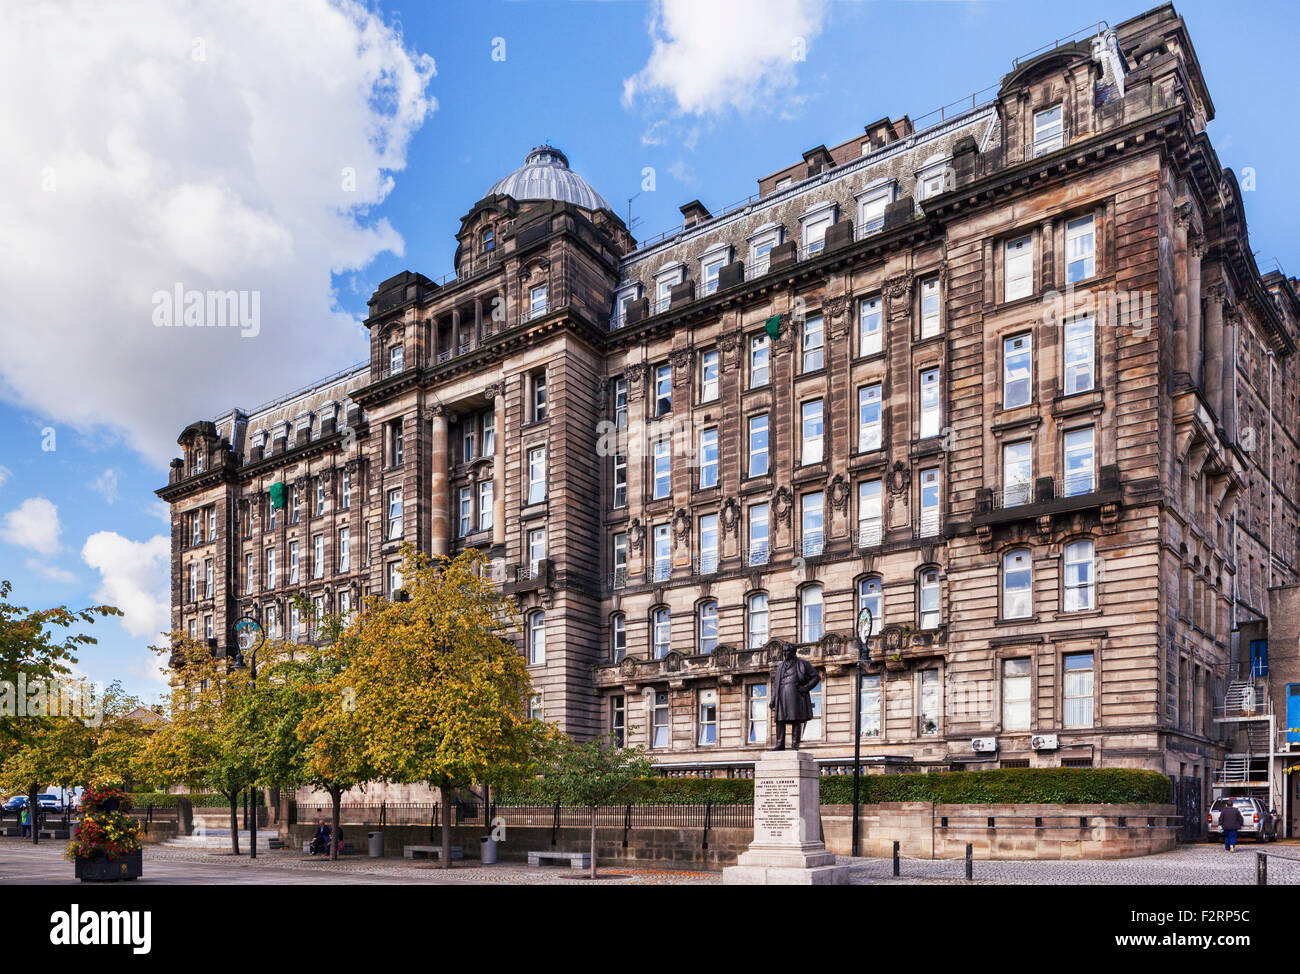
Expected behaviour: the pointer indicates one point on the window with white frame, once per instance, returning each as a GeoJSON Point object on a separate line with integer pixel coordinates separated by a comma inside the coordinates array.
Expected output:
{"type": "Point", "coordinates": [489, 433]}
{"type": "Point", "coordinates": [537, 301]}
{"type": "Point", "coordinates": [659, 713]}
{"type": "Point", "coordinates": [209, 580]}
{"type": "Point", "coordinates": [536, 708]}
{"type": "Point", "coordinates": [394, 578]}
{"type": "Point", "coordinates": [815, 224]}
{"type": "Point", "coordinates": [709, 457]}
{"type": "Point", "coordinates": [196, 528]}
{"type": "Point", "coordinates": [624, 300]}
{"type": "Point", "coordinates": [812, 523]}
{"type": "Point", "coordinates": [711, 265]}
{"type": "Point", "coordinates": [709, 375]}
{"type": "Point", "coordinates": [1017, 584]}
{"type": "Point", "coordinates": [1018, 268]}
{"type": "Point", "coordinates": [295, 622]}
{"type": "Point", "coordinates": [871, 209]}
{"type": "Point", "coordinates": [537, 638]}
{"type": "Point", "coordinates": [620, 480]}
{"type": "Point", "coordinates": [929, 599]}
{"type": "Point", "coordinates": [869, 418]}
{"type": "Point", "coordinates": [665, 281]}
{"type": "Point", "coordinates": [871, 522]}
{"type": "Point", "coordinates": [620, 403]}
{"type": "Point", "coordinates": [1080, 354]}
{"type": "Point", "coordinates": [1079, 462]}
{"type": "Point", "coordinates": [931, 315]}
{"type": "Point", "coordinates": [1049, 134]}
{"type": "Point", "coordinates": [661, 631]}
{"type": "Point", "coordinates": [708, 544]}
{"type": "Point", "coordinates": [663, 390]}
{"type": "Point", "coordinates": [295, 494]}
{"type": "Point", "coordinates": [268, 621]}
{"type": "Point", "coordinates": [1017, 682]}
{"type": "Point", "coordinates": [760, 360]}
{"type": "Point", "coordinates": [810, 614]}
{"type": "Point", "coordinates": [930, 412]}
{"type": "Point", "coordinates": [536, 551]}
{"type": "Point", "coordinates": [248, 573]}
{"type": "Point", "coordinates": [318, 556]}
{"type": "Point", "coordinates": [465, 519]}
{"type": "Point", "coordinates": [345, 489]}
{"type": "Point", "coordinates": [816, 696]}
{"type": "Point", "coordinates": [345, 607]}
{"type": "Point", "coordinates": [708, 626]}
{"type": "Point", "coordinates": [1078, 690]}
{"type": "Point", "coordinates": [870, 706]}
{"type": "Point", "coordinates": [871, 596]}
{"type": "Point", "coordinates": [814, 344]}
{"type": "Point", "coordinates": [293, 562]}
{"type": "Point", "coordinates": [759, 534]}
{"type": "Point", "coordinates": [1017, 371]}
{"type": "Point", "coordinates": [758, 452]}
{"type": "Point", "coordinates": [212, 524]}
{"type": "Point", "coordinates": [193, 629]}
{"type": "Point", "coordinates": [270, 568]}
{"type": "Point", "coordinates": [320, 496]}
{"type": "Point", "coordinates": [485, 501]}
{"type": "Point", "coordinates": [1079, 585]}
{"type": "Point", "coordinates": [663, 468]}
{"type": "Point", "coordinates": [756, 623]}
{"type": "Point", "coordinates": [620, 559]}
{"type": "Point", "coordinates": [870, 329]}
{"type": "Point", "coordinates": [812, 437]}
{"type": "Point", "coordinates": [663, 555]}
{"type": "Point", "coordinates": [1080, 249]}
{"type": "Point", "coordinates": [929, 489]}
{"type": "Point", "coordinates": [1017, 473]}
{"type": "Point", "coordinates": [396, 359]}
{"type": "Point", "coordinates": [537, 475]}
{"type": "Point", "coordinates": [756, 713]}
{"type": "Point", "coordinates": [617, 637]}
{"type": "Point", "coordinates": [708, 718]}
{"type": "Point", "coordinates": [345, 549]}
{"type": "Point", "coordinates": [394, 514]}
{"type": "Point", "coordinates": [928, 704]}
{"type": "Point", "coordinates": [469, 438]}
{"type": "Point", "coordinates": [537, 381]}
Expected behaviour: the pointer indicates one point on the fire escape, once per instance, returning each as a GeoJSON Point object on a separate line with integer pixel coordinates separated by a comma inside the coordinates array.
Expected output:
{"type": "Point", "coordinates": [1248, 724]}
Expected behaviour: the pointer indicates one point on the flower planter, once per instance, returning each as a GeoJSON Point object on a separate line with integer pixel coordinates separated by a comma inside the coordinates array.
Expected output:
{"type": "Point", "coordinates": [102, 869]}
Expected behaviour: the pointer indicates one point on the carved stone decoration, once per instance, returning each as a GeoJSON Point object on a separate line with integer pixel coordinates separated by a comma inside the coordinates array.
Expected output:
{"type": "Point", "coordinates": [729, 344]}
{"type": "Point", "coordinates": [730, 516]}
{"type": "Point", "coordinates": [898, 294]}
{"type": "Point", "coordinates": [627, 668]}
{"type": "Point", "coordinates": [682, 526]}
{"type": "Point", "coordinates": [1183, 214]}
{"type": "Point", "coordinates": [837, 322]}
{"type": "Point", "coordinates": [839, 492]}
{"type": "Point", "coordinates": [893, 637]}
{"type": "Point", "coordinates": [784, 340]}
{"type": "Point", "coordinates": [635, 534]}
{"type": "Point", "coordinates": [493, 389]}
{"type": "Point", "coordinates": [681, 360]}
{"type": "Point", "coordinates": [722, 658]}
{"type": "Point", "coordinates": [783, 504]}
{"type": "Point", "coordinates": [899, 478]}
{"type": "Point", "coordinates": [635, 375]}
{"type": "Point", "coordinates": [673, 662]}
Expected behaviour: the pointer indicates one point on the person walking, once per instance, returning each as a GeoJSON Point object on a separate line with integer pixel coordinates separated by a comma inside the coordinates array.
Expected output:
{"type": "Point", "coordinates": [1230, 821]}
{"type": "Point", "coordinates": [26, 820]}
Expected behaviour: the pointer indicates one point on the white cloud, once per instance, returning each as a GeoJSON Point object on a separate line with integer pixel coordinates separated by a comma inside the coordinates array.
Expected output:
{"type": "Point", "coordinates": [740, 54]}
{"type": "Point", "coordinates": [159, 510]}
{"type": "Point", "coordinates": [5, 474]}
{"type": "Point", "coordinates": [106, 485]}
{"type": "Point", "coordinates": [214, 145]}
{"type": "Point", "coordinates": [50, 572]}
{"type": "Point", "coordinates": [134, 576]}
{"type": "Point", "coordinates": [33, 524]}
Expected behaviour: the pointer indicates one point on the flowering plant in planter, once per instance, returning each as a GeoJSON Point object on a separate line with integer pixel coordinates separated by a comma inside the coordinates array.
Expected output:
{"type": "Point", "coordinates": [104, 831]}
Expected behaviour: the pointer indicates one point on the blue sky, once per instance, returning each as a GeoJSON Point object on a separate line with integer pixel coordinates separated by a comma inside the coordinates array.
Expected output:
{"type": "Point", "coordinates": [230, 160]}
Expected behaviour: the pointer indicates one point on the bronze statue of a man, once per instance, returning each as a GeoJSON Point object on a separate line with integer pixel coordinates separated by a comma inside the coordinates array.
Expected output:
{"type": "Point", "coordinates": [792, 683]}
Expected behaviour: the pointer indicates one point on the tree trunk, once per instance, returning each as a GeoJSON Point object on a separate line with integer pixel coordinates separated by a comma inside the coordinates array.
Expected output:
{"type": "Point", "coordinates": [233, 798]}
{"type": "Point", "coordinates": [33, 815]}
{"type": "Point", "coordinates": [336, 797]}
{"type": "Point", "coordinates": [593, 842]}
{"type": "Point", "coordinates": [445, 790]}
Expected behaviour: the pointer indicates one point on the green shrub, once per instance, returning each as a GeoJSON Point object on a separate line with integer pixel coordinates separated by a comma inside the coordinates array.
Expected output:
{"type": "Point", "coordinates": [161, 799]}
{"type": "Point", "coordinates": [657, 791]}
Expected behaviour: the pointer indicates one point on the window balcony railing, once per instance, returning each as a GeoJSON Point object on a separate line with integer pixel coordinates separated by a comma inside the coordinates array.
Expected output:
{"type": "Point", "coordinates": [618, 578]}
{"type": "Point", "coordinates": [927, 525]}
{"type": "Point", "coordinates": [661, 571]}
{"type": "Point", "coordinates": [760, 265]}
{"type": "Point", "coordinates": [706, 564]}
{"type": "Point", "coordinates": [530, 313]}
{"type": "Point", "coordinates": [813, 544]}
{"type": "Point", "coordinates": [871, 532]}
{"type": "Point", "coordinates": [660, 305]}
{"type": "Point", "coordinates": [617, 322]}
{"type": "Point", "coordinates": [865, 230]}
{"type": "Point", "coordinates": [757, 555]}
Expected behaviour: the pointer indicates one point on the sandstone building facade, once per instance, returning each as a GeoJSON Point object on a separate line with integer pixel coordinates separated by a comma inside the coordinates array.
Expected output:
{"type": "Point", "coordinates": [1012, 381]}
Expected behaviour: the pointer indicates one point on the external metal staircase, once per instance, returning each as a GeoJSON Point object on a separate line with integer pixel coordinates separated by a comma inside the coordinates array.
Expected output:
{"type": "Point", "coordinates": [1235, 770]}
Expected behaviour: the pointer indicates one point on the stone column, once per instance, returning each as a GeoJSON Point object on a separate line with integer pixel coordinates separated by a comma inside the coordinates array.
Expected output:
{"type": "Point", "coordinates": [478, 321]}
{"type": "Point", "coordinates": [1047, 247]}
{"type": "Point", "coordinates": [497, 393]}
{"type": "Point", "coordinates": [1195, 347]}
{"type": "Point", "coordinates": [439, 515]}
{"type": "Point", "coordinates": [1214, 349]}
{"type": "Point", "coordinates": [1229, 392]}
{"type": "Point", "coordinates": [1182, 349]}
{"type": "Point", "coordinates": [455, 332]}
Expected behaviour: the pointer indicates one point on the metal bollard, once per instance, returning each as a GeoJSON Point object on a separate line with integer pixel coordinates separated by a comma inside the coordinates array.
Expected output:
{"type": "Point", "coordinates": [970, 861]}
{"type": "Point", "coordinates": [895, 858]}
{"type": "Point", "coordinates": [1261, 869]}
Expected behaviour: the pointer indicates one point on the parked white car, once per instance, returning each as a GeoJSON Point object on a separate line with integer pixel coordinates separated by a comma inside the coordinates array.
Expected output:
{"type": "Point", "coordinates": [1257, 823]}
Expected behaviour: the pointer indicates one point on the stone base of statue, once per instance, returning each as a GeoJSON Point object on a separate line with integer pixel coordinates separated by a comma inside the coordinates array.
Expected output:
{"type": "Point", "coordinates": [787, 849]}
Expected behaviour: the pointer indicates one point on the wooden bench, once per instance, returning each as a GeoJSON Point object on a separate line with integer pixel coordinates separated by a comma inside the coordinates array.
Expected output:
{"type": "Point", "coordinates": [431, 852]}
{"type": "Point", "coordinates": [346, 848]}
{"type": "Point", "coordinates": [576, 860]}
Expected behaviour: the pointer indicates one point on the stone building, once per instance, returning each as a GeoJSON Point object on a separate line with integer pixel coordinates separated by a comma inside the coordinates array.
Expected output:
{"type": "Point", "coordinates": [1011, 379]}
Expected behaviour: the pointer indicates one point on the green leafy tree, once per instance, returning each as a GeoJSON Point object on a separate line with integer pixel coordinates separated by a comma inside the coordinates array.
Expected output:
{"type": "Point", "coordinates": [595, 773]}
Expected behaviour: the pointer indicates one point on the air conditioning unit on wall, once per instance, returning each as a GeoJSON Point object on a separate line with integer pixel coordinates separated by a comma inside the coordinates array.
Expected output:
{"type": "Point", "coordinates": [984, 745]}
{"type": "Point", "coordinates": [1044, 742]}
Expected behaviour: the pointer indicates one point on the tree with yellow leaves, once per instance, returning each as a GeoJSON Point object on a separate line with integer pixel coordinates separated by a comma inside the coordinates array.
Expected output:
{"type": "Point", "coordinates": [439, 686]}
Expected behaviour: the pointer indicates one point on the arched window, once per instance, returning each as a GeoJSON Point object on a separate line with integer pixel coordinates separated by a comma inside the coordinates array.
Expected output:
{"type": "Point", "coordinates": [661, 630]}
{"type": "Point", "coordinates": [871, 596]}
{"type": "Point", "coordinates": [1017, 584]}
{"type": "Point", "coordinates": [708, 633]}
{"type": "Point", "coordinates": [757, 620]}
{"type": "Point", "coordinates": [928, 599]}
{"type": "Point", "coordinates": [810, 614]}
{"type": "Point", "coordinates": [617, 636]}
{"type": "Point", "coordinates": [1079, 593]}
{"type": "Point", "coordinates": [537, 638]}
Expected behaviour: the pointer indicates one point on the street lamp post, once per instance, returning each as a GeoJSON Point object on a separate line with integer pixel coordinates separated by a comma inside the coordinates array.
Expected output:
{"type": "Point", "coordinates": [249, 638]}
{"type": "Point", "coordinates": [863, 634]}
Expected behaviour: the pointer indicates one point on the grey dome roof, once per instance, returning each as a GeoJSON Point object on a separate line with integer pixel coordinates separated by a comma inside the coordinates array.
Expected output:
{"type": "Point", "coordinates": [545, 175]}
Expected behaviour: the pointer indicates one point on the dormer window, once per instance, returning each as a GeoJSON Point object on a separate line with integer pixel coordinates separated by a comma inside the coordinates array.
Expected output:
{"type": "Point", "coordinates": [871, 207]}
{"type": "Point", "coordinates": [1049, 133]}
{"type": "Point", "coordinates": [783, 183]}
{"type": "Point", "coordinates": [489, 240]}
{"type": "Point", "coordinates": [396, 358]}
{"type": "Point", "coordinates": [760, 246]}
{"type": "Point", "coordinates": [665, 281]}
{"type": "Point", "coordinates": [537, 301]}
{"type": "Point", "coordinates": [815, 223]}
{"type": "Point", "coordinates": [621, 303]}
{"type": "Point", "coordinates": [711, 264]}
{"type": "Point", "coordinates": [198, 460]}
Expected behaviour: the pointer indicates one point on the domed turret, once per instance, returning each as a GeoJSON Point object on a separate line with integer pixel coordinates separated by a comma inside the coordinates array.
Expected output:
{"type": "Point", "coordinates": [545, 175]}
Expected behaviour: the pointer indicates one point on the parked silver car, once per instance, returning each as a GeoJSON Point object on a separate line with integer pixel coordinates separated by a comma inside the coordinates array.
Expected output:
{"type": "Point", "coordinates": [1257, 822]}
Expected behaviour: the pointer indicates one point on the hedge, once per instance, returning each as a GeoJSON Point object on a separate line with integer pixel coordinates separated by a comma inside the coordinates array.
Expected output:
{"type": "Point", "coordinates": [1003, 786]}
{"type": "Point", "coordinates": [161, 799]}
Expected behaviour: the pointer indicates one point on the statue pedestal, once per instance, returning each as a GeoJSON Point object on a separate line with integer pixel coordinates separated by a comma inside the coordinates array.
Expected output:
{"type": "Point", "coordinates": [787, 849]}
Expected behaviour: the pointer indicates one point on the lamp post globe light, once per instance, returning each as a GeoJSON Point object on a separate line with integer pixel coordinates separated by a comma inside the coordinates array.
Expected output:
{"type": "Point", "coordinates": [865, 633]}
{"type": "Point", "coordinates": [249, 638]}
